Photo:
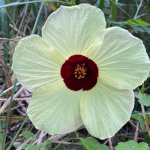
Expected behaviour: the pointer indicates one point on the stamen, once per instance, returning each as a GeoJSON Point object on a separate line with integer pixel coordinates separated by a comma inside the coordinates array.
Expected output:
{"type": "Point", "coordinates": [80, 71]}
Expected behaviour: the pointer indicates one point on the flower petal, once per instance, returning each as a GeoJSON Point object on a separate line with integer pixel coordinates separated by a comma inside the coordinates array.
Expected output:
{"type": "Point", "coordinates": [75, 30]}
{"type": "Point", "coordinates": [122, 59]}
{"type": "Point", "coordinates": [35, 63]}
{"type": "Point", "coordinates": [55, 109]}
{"type": "Point", "coordinates": [104, 109]}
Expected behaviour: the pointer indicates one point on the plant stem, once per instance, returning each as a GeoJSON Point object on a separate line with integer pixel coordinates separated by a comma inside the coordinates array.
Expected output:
{"type": "Point", "coordinates": [146, 88]}
{"type": "Point", "coordinates": [135, 16]}
{"type": "Point", "coordinates": [146, 124]}
{"type": "Point", "coordinates": [33, 31]}
{"type": "Point", "coordinates": [113, 10]}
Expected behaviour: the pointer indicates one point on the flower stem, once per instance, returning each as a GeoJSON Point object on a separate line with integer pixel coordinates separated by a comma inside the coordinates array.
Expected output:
{"type": "Point", "coordinates": [147, 88]}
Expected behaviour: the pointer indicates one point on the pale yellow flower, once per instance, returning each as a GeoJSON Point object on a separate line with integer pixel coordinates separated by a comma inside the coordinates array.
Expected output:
{"type": "Point", "coordinates": [80, 72]}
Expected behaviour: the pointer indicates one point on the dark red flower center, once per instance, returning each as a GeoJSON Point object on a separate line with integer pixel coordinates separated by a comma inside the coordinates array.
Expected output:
{"type": "Point", "coordinates": [79, 72]}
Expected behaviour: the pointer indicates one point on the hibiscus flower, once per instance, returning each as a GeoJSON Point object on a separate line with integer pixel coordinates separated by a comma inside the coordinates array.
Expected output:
{"type": "Point", "coordinates": [80, 72]}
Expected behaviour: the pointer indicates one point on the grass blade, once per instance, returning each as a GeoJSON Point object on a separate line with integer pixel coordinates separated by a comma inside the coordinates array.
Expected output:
{"type": "Point", "coordinates": [113, 10]}
{"type": "Point", "coordinates": [4, 28]}
{"type": "Point", "coordinates": [101, 4]}
{"type": "Point", "coordinates": [30, 2]}
{"type": "Point", "coordinates": [8, 114]}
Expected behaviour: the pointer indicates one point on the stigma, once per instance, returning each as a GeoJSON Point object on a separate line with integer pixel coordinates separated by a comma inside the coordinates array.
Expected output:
{"type": "Point", "coordinates": [80, 71]}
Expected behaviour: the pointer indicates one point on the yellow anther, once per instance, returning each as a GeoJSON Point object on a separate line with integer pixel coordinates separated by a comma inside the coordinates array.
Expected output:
{"type": "Point", "coordinates": [80, 71]}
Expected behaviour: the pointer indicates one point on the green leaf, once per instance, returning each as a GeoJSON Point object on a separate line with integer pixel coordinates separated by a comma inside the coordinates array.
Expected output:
{"type": "Point", "coordinates": [140, 118]}
{"type": "Point", "coordinates": [29, 135]}
{"type": "Point", "coordinates": [46, 145]}
{"type": "Point", "coordinates": [147, 140]}
{"type": "Point", "coordinates": [90, 143]}
{"type": "Point", "coordinates": [132, 145]}
{"type": "Point", "coordinates": [137, 95]}
{"type": "Point", "coordinates": [126, 145]}
{"type": "Point", "coordinates": [147, 117]}
{"type": "Point", "coordinates": [30, 147]}
{"type": "Point", "coordinates": [137, 29]}
{"type": "Point", "coordinates": [139, 21]}
{"type": "Point", "coordinates": [144, 99]}
{"type": "Point", "coordinates": [73, 2]}
{"type": "Point", "coordinates": [136, 116]}
{"type": "Point", "coordinates": [142, 123]}
{"type": "Point", "coordinates": [142, 146]}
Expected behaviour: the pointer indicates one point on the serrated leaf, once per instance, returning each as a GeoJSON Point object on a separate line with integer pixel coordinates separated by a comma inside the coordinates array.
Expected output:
{"type": "Point", "coordinates": [142, 146]}
{"type": "Point", "coordinates": [46, 145]}
{"type": "Point", "coordinates": [140, 118]}
{"type": "Point", "coordinates": [126, 145]}
{"type": "Point", "coordinates": [139, 21]}
{"type": "Point", "coordinates": [145, 99]}
{"type": "Point", "coordinates": [90, 143]}
{"type": "Point", "coordinates": [30, 147]}
{"type": "Point", "coordinates": [29, 135]}
{"type": "Point", "coordinates": [132, 145]}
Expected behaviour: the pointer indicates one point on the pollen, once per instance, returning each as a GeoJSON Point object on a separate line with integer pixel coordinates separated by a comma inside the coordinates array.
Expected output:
{"type": "Point", "coordinates": [80, 71]}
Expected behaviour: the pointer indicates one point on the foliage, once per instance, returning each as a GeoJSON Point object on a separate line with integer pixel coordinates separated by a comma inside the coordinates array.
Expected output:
{"type": "Point", "coordinates": [132, 145]}
{"type": "Point", "coordinates": [132, 23]}
{"type": "Point", "coordinates": [144, 98]}
{"type": "Point", "coordinates": [29, 135]}
{"type": "Point", "coordinates": [90, 143]}
{"type": "Point", "coordinates": [45, 145]}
